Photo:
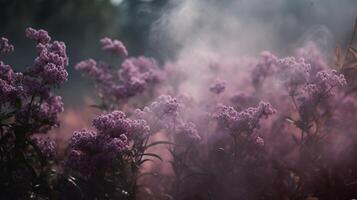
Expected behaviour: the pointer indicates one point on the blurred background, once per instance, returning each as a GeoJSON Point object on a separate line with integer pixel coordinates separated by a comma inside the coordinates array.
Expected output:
{"type": "Point", "coordinates": [80, 24]}
{"type": "Point", "coordinates": [163, 28]}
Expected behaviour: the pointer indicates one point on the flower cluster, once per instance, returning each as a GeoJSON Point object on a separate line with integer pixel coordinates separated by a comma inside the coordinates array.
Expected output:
{"type": "Point", "coordinates": [116, 123]}
{"type": "Point", "coordinates": [293, 72]}
{"type": "Point", "coordinates": [10, 84]}
{"type": "Point", "coordinates": [92, 69]}
{"type": "Point", "coordinates": [318, 92]}
{"type": "Point", "coordinates": [97, 150]}
{"type": "Point", "coordinates": [218, 86]}
{"type": "Point", "coordinates": [313, 56]}
{"type": "Point", "coordinates": [132, 78]}
{"type": "Point", "coordinates": [244, 121]}
{"type": "Point", "coordinates": [326, 81]}
{"type": "Point", "coordinates": [30, 92]}
{"type": "Point", "coordinates": [46, 146]}
{"type": "Point", "coordinates": [5, 46]}
{"type": "Point", "coordinates": [263, 68]}
{"type": "Point", "coordinates": [136, 74]}
{"type": "Point", "coordinates": [114, 46]}
{"type": "Point", "coordinates": [28, 108]}
{"type": "Point", "coordinates": [93, 152]}
{"type": "Point", "coordinates": [186, 133]}
{"type": "Point", "coordinates": [52, 58]}
{"type": "Point", "coordinates": [165, 105]}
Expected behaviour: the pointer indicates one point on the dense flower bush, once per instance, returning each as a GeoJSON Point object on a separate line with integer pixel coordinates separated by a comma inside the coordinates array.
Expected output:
{"type": "Point", "coordinates": [30, 108]}
{"type": "Point", "coordinates": [116, 85]}
{"type": "Point", "coordinates": [285, 131]}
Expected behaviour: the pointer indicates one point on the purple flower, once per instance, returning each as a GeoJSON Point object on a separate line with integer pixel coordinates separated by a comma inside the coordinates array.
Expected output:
{"type": "Point", "coordinates": [10, 84]}
{"type": "Point", "coordinates": [91, 68]}
{"type": "Point", "coordinates": [51, 107]}
{"type": "Point", "coordinates": [317, 92]}
{"type": "Point", "coordinates": [92, 153]}
{"type": "Point", "coordinates": [265, 67]}
{"type": "Point", "coordinates": [187, 133]}
{"type": "Point", "coordinates": [100, 148]}
{"type": "Point", "coordinates": [133, 78]}
{"type": "Point", "coordinates": [165, 106]}
{"type": "Point", "coordinates": [245, 121]}
{"type": "Point", "coordinates": [114, 46]}
{"type": "Point", "coordinates": [293, 72]}
{"type": "Point", "coordinates": [325, 82]}
{"type": "Point", "coordinates": [328, 79]}
{"type": "Point", "coordinates": [5, 46]}
{"type": "Point", "coordinates": [40, 36]}
{"type": "Point", "coordinates": [144, 67]}
{"type": "Point", "coordinates": [313, 56]}
{"type": "Point", "coordinates": [139, 129]}
{"type": "Point", "coordinates": [218, 86]}
{"type": "Point", "coordinates": [51, 61]}
{"type": "Point", "coordinates": [46, 145]}
{"type": "Point", "coordinates": [114, 123]}
{"type": "Point", "coordinates": [41, 116]}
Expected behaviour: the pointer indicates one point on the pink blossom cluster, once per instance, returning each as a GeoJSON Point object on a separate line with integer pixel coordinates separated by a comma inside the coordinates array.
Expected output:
{"type": "Point", "coordinates": [5, 46]}
{"type": "Point", "coordinates": [97, 150]}
{"type": "Point", "coordinates": [115, 47]}
{"type": "Point", "coordinates": [134, 76]}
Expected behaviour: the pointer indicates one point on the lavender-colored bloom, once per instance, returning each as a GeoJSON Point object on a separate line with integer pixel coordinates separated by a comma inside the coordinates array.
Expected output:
{"type": "Point", "coordinates": [114, 123]}
{"type": "Point", "coordinates": [187, 133]}
{"type": "Point", "coordinates": [52, 58]}
{"type": "Point", "coordinates": [93, 153]}
{"type": "Point", "coordinates": [41, 116]}
{"type": "Point", "coordinates": [7, 92]}
{"type": "Point", "coordinates": [293, 72]}
{"type": "Point", "coordinates": [313, 56]}
{"type": "Point", "coordinates": [218, 86]}
{"type": "Point", "coordinates": [40, 36]}
{"type": "Point", "coordinates": [318, 92]}
{"type": "Point", "coordinates": [46, 145]}
{"type": "Point", "coordinates": [329, 79]}
{"type": "Point", "coordinates": [92, 69]}
{"type": "Point", "coordinates": [165, 106]}
{"type": "Point", "coordinates": [117, 124]}
{"type": "Point", "coordinates": [5, 46]}
{"type": "Point", "coordinates": [146, 68]}
{"type": "Point", "coordinates": [139, 129]}
{"type": "Point", "coordinates": [51, 107]}
{"type": "Point", "coordinates": [325, 82]}
{"type": "Point", "coordinates": [10, 84]}
{"type": "Point", "coordinates": [245, 121]}
{"type": "Point", "coordinates": [114, 46]}
{"type": "Point", "coordinates": [225, 114]}
{"type": "Point", "coordinates": [98, 149]}
{"type": "Point", "coordinates": [264, 68]}
{"type": "Point", "coordinates": [133, 78]}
